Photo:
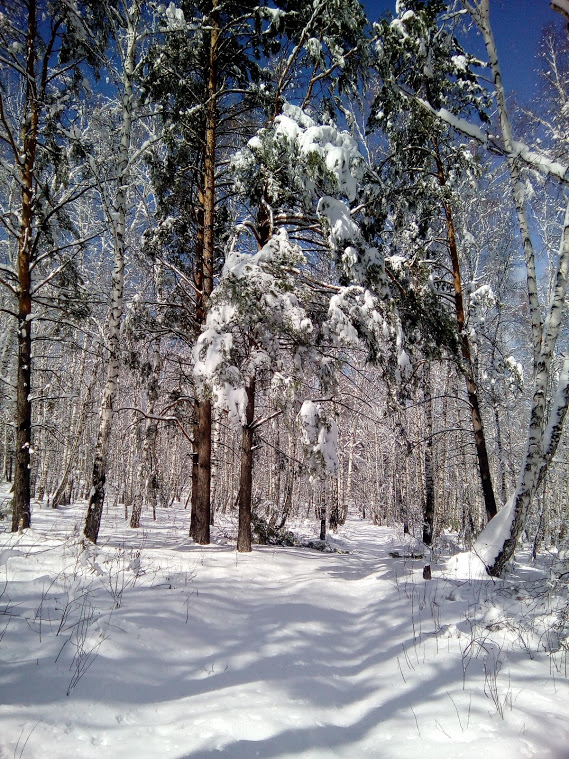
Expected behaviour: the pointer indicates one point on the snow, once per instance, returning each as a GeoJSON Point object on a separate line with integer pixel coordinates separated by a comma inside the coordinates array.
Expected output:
{"type": "Point", "coordinates": [265, 307]}
{"type": "Point", "coordinates": [173, 650]}
{"type": "Point", "coordinates": [336, 212]}
{"type": "Point", "coordinates": [175, 18]}
{"type": "Point", "coordinates": [460, 62]}
{"type": "Point", "coordinates": [536, 161]}
{"type": "Point", "coordinates": [296, 133]}
{"type": "Point", "coordinates": [320, 434]}
{"type": "Point", "coordinates": [473, 563]}
{"type": "Point", "coordinates": [561, 6]}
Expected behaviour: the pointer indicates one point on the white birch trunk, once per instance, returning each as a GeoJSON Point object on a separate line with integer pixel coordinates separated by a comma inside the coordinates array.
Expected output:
{"type": "Point", "coordinates": [542, 436]}
{"type": "Point", "coordinates": [481, 15]}
{"type": "Point", "coordinates": [117, 221]}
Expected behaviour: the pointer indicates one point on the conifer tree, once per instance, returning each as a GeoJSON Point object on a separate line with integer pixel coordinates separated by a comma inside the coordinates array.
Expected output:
{"type": "Point", "coordinates": [223, 70]}
{"type": "Point", "coordinates": [419, 57]}
{"type": "Point", "coordinates": [206, 79]}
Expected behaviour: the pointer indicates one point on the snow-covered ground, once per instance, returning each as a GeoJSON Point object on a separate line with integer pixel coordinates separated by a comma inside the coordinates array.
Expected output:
{"type": "Point", "coordinates": [149, 646]}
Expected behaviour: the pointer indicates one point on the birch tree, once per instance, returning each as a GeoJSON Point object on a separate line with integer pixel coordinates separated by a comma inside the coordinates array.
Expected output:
{"type": "Point", "coordinates": [130, 30]}
{"type": "Point", "coordinates": [547, 413]}
{"type": "Point", "coordinates": [47, 49]}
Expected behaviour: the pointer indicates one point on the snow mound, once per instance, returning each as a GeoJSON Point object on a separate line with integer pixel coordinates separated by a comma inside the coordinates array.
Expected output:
{"type": "Point", "coordinates": [472, 564]}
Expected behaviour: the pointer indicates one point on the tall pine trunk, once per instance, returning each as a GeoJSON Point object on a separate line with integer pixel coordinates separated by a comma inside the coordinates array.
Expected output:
{"type": "Point", "coordinates": [201, 472]}
{"type": "Point", "coordinates": [246, 475]}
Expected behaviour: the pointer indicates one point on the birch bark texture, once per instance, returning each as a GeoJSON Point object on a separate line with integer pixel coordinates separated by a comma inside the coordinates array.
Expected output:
{"type": "Point", "coordinates": [36, 85]}
{"type": "Point", "coordinates": [116, 213]}
{"type": "Point", "coordinates": [544, 429]}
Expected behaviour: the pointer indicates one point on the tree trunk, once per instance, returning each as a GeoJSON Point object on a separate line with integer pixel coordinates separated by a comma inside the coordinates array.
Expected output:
{"type": "Point", "coordinates": [77, 424]}
{"type": "Point", "coordinates": [322, 499]}
{"type": "Point", "coordinates": [500, 449]}
{"type": "Point", "coordinates": [215, 469]}
{"type": "Point", "coordinates": [289, 482]}
{"type": "Point", "coordinates": [246, 479]}
{"type": "Point", "coordinates": [542, 439]}
{"type": "Point", "coordinates": [117, 219]}
{"type": "Point", "coordinates": [201, 475]}
{"type": "Point", "coordinates": [148, 481]}
{"type": "Point", "coordinates": [201, 503]}
{"type": "Point", "coordinates": [21, 513]}
{"type": "Point", "coordinates": [429, 508]}
{"type": "Point", "coordinates": [468, 369]}
{"type": "Point", "coordinates": [8, 368]}
{"type": "Point", "coordinates": [334, 518]}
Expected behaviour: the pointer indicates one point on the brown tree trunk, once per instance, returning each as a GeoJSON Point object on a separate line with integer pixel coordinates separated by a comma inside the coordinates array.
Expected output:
{"type": "Point", "coordinates": [201, 473]}
{"type": "Point", "coordinates": [471, 389]}
{"type": "Point", "coordinates": [201, 477]}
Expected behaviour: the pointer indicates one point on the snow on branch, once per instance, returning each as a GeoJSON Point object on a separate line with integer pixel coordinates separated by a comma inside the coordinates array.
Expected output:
{"type": "Point", "coordinates": [561, 6]}
{"type": "Point", "coordinates": [320, 436]}
{"type": "Point", "coordinates": [533, 160]}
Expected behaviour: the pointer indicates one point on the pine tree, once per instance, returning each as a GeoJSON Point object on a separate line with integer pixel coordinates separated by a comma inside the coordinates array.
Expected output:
{"type": "Point", "coordinates": [420, 58]}
{"type": "Point", "coordinates": [224, 70]}
{"type": "Point", "coordinates": [206, 79]}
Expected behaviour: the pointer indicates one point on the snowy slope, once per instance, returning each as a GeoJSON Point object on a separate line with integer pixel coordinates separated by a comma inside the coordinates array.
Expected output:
{"type": "Point", "coordinates": [172, 650]}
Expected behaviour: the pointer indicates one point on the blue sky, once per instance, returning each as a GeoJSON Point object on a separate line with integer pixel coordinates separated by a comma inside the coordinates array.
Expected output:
{"type": "Point", "coordinates": [517, 25]}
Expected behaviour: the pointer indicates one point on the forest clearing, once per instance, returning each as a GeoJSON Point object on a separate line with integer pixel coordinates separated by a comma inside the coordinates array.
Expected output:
{"type": "Point", "coordinates": [284, 378]}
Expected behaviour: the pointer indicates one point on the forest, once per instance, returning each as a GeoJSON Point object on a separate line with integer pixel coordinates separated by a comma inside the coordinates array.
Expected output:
{"type": "Point", "coordinates": [282, 274]}
{"type": "Point", "coordinates": [280, 260]}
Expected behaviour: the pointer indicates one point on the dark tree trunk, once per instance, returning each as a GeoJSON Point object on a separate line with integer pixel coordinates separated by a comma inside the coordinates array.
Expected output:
{"type": "Point", "coordinates": [501, 459]}
{"type": "Point", "coordinates": [323, 521]}
{"type": "Point", "coordinates": [468, 369]}
{"type": "Point", "coordinates": [429, 512]}
{"type": "Point", "coordinates": [201, 505]}
{"type": "Point", "coordinates": [21, 513]}
{"type": "Point", "coordinates": [246, 479]}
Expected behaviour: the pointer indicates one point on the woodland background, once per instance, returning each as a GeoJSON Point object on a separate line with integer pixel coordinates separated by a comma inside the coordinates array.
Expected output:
{"type": "Point", "coordinates": [282, 260]}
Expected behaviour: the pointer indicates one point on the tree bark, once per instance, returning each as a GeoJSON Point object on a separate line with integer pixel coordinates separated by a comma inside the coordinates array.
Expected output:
{"type": "Point", "coordinates": [471, 388]}
{"type": "Point", "coordinates": [21, 512]}
{"type": "Point", "coordinates": [117, 220]}
{"type": "Point", "coordinates": [429, 507]}
{"type": "Point", "coordinates": [542, 440]}
{"type": "Point", "coordinates": [246, 479]}
{"type": "Point", "coordinates": [289, 482]}
{"type": "Point", "coordinates": [201, 476]}
{"type": "Point", "coordinates": [322, 498]}
{"type": "Point", "coordinates": [148, 482]}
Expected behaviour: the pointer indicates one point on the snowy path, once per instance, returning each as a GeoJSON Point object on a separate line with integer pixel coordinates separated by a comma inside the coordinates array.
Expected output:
{"type": "Point", "coordinates": [285, 652]}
